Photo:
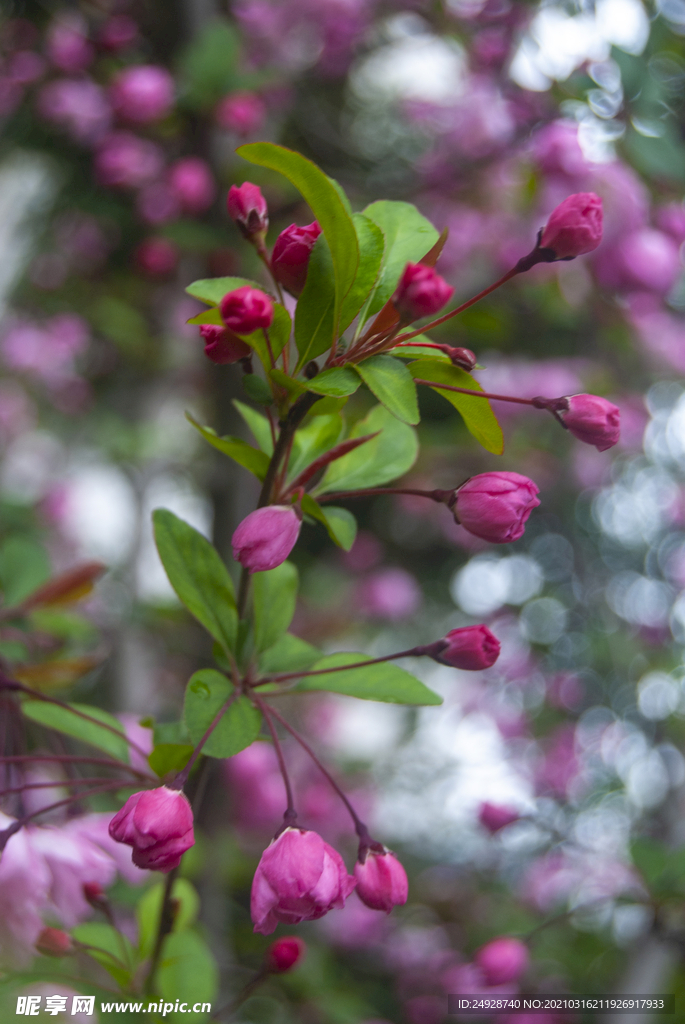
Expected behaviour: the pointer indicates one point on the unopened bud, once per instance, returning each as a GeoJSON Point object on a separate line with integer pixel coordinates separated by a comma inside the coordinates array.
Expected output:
{"type": "Point", "coordinates": [266, 537]}
{"type": "Point", "coordinates": [381, 880]}
{"type": "Point", "coordinates": [246, 309]}
{"type": "Point", "coordinates": [222, 345]}
{"type": "Point", "coordinates": [496, 506]}
{"type": "Point", "coordinates": [283, 954]}
{"type": "Point", "coordinates": [247, 207]}
{"type": "Point", "coordinates": [494, 817]}
{"type": "Point", "coordinates": [464, 358]}
{"type": "Point", "coordinates": [54, 942]}
{"type": "Point", "coordinates": [470, 648]}
{"type": "Point", "coordinates": [593, 420]}
{"type": "Point", "coordinates": [420, 292]}
{"type": "Point", "coordinates": [574, 227]}
{"type": "Point", "coordinates": [290, 257]}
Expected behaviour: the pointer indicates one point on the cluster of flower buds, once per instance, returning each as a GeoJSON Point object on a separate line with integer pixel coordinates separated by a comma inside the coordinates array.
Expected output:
{"type": "Point", "coordinates": [158, 824]}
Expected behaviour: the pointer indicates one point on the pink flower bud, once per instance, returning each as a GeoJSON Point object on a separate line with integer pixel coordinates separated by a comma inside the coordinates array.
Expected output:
{"type": "Point", "coordinates": [593, 420]}
{"type": "Point", "coordinates": [241, 112]}
{"type": "Point", "coordinates": [247, 309]}
{"type": "Point", "coordinates": [461, 357]}
{"type": "Point", "coordinates": [496, 506]}
{"type": "Point", "coordinates": [470, 648]}
{"type": "Point", "coordinates": [158, 824]}
{"type": "Point", "coordinates": [247, 207]}
{"type": "Point", "coordinates": [222, 345]}
{"type": "Point", "coordinates": [283, 954]}
{"type": "Point", "coordinates": [381, 881]}
{"type": "Point", "coordinates": [421, 292]}
{"type": "Point", "coordinates": [143, 93]}
{"type": "Point", "coordinates": [54, 942]}
{"type": "Point", "coordinates": [290, 257]}
{"type": "Point", "coordinates": [157, 256]}
{"type": "Point", "coordinates": [266, 537]}
{"type": "Point", "coordinates": [118, 32]}
{"type": "Point", "coordinates": [493, 817]}
{"type": "Point", "coordinates": [192, 181]}
{"type": "Point", "coordinates": [502, 960]}
{"type": "Point", "coordinates": [299, 878]}
{"type": "Point", "coordinates": [574, 227]}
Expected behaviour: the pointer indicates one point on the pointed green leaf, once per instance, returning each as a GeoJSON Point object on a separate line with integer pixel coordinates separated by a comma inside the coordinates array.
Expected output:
{"type": "Point", "coordinates": [477, 413]}
{"type": "Point", "coordinates": [288, 654]}
{"type": "Point", "coordinates": [315, 313]}
{"type": "Point", "coordinates": [211, 315]}
{"type": "Point", "coordinates": [317, 436]}
{"type": "Point", "coordinates": [112, 949]}
{"type": "Point", "coordinates": [414, 351]}
{"type": "Point", "coordinates": [292, 386]}
{"type": "Point", "coordinates": [377, 462]}
{"type": "Point", "coordinates": [383, 682]}
{"type": "Point", "coordinates": [323, 197]}
{"type": "Point", "coordinates": [371, 246]}
{"type": "Point", "coordinates": [206, 694]}
{"type": "Point", "coordinates": [240, 451]}
{"type": "Point", "coordinates": [338, 382]}
{"type": "Point", "coordinates": [340, 524]}
{"type": "Point", "coordinates": [197, 574]}
{"type": "Point", "coordinates": [169, 757]}
{"type": "Point", "coordinates": [258, 424]}
{"type": "Point", "coordinates": [275, 593]}
{"type": "Point", "coordinates": [187, 971]}
{"type": "Point", "coordinates": [212, 289]}
{"type": "Point", "coordinates": [64, 720]}
{"type": "Point", "coordinates": [393, 385]}
{"type": "Point", "coordinates": [257, 389]}
{"type": "Point", "coordinates": [408, 237]}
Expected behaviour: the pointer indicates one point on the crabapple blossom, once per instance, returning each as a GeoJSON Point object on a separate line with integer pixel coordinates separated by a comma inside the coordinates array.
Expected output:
{"type": "Point", "coordinates": [158, 824]}
{"type": "Point", "coordinates": [496, 506]}
{"type": "Point", "coordinates": [246, 309]}
{"type": "Point", "coordinates": [266, 537]}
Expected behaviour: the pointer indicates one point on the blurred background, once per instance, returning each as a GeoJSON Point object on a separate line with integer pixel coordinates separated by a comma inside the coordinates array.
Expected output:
{"type": "Point", "coordinates": [546, 797]}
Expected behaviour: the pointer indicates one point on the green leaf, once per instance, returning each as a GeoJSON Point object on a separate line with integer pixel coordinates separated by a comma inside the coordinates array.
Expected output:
{"type": "Point", "coordinates": [240, 451]}
{"type": "Point", "coordinates": [383, 682]}
{"type": "Point", "coordinates": [64, 720]}
{"type": "Point", "coordinates": [257, 389]}
{"type": "Point", "coordinates": [149, 909]}
{"type": "Point", "coordinates": [258, 424]}
{"type": "Point", "coordinates": [415, 351]}
{"type": "Point", "coordinates": [408, 237]}
{"type": "Point", "coordinates": [340, 524]}
{"type": "Point", "coordinates": [380, 460]}
{"type": "Point", "coordinates": [371, 246]}
{"type": "Point", "coordinates": [393, 385]}
{"type": "Point", "coordinates": [212, 289]}
{"type": "Point", "coordinates": [188, 972]}
{"type": "Point", "coordinates": [197, 574]}
{"type": "Point", "coordinates": [317, 436]}
{"type": "Point", "coordinates": [211, 315]}
{"type": "Point", "coordinates": [338, 382]}
{"type": "Point", "coordinates": [113, 949]}
{"type": "Point", "coordinates": [293, 387]}
{"type": "Point", "coordinates": [288, 654]}
{"type": "Point", "coordinates": [477, 413]}
{"type": "Point", "coordinates": [24, 566]}
{"type": "Point", "coordinates": [171, 732]}
{"type": "Point", "coordinates": [275, 593]}
{"type": "Point", "coordinates": [314, 316]}
{"type": "Point", "coordinates": [323, 197]}
{"type": "Point", "coordinates": [206, 693]}
{"type": "Point", "coordinates": [169, 757]}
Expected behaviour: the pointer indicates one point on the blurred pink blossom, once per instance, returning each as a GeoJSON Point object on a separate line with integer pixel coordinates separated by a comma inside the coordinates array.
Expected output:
{"type": "Point", "coordinates": [661, 332]}
{"type": "Point", "coordinates": [671, 219]}
{"type": "Point", "coordinates": [25, 66]}
{"type": "Point", "coordinates": [356, 926]}
{"type": "Point", "coordinates": [556, 150]}
{"type": "Point", "coordinates": [158, 203]}
{"type": "Point", "coordinates": [46, 350]}
{"type": "Point", "coordinates": [644, 259]}
{"type": "Point", "coordinates": [191, 179]}
{"type": "Point", "coordinates": [126, 161]}
{"type": "Point", "coordinates": [78, 105]}
{"type": "Point", "coordinates": [242, 112]}
{"type": "Point", "coordinates": [142, 93]}
{"type": "Point", "coordinates": [391, 594]}
{"type": "Point", "coordinates": [365, 553]}
{"type": "Point", "coordinates": [67, 44]}
{"type": "Point", "coordinates": [118, 32]}
{"type": "Point", "coordinates": [256, 786]}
